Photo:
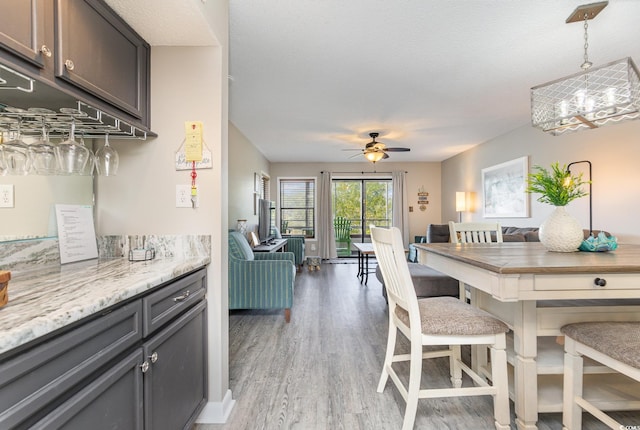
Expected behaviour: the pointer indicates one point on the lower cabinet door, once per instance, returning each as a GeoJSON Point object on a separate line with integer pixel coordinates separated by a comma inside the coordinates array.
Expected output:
{"type": "Point", "coordinates": [112, 401]}
{"type": "Point", "coordinates": [175, 386]}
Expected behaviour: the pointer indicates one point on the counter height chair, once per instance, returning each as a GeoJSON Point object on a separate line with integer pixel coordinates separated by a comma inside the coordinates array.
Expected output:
{"type": "Point", "coordinates": [444, 321]}
{"type": "Point", "coordinates": [475, 232]}
{"type": "Point", "coordinates": [614, 344]}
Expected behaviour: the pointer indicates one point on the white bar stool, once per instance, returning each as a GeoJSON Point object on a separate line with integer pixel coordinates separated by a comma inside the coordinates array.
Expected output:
{"type": "Point", "coordinates": [614, 344]}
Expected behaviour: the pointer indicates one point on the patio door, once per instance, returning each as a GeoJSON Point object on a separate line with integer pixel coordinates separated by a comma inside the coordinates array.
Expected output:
{"type": "Point", "coordinates": [363, 202]}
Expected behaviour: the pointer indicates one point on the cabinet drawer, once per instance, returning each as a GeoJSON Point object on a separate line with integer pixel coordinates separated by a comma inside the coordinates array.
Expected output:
{"type": "Point", "coordinates": [613, 281]}
{"type": "Point", "coordinates": [32, 380]}
{"type": "Point", "coordinates": [171, 300]}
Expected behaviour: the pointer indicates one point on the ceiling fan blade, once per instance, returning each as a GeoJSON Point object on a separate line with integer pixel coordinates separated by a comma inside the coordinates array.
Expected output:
{"type": "Point", "coordinates": [351, 149]}
{"type": "Point", "coordinates": [355, 155]}
{"type": "Point", "coordinates": [385, 156]}
{"type": "Point", "coordinates": [398, 149]}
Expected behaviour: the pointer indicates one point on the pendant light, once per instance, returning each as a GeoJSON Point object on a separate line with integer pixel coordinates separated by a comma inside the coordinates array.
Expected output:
{"type": "Point", "coordinates": [592, 98]}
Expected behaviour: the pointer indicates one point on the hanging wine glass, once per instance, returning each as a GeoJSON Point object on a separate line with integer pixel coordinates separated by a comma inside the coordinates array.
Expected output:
{"type": "Point", "coordinates": [3, 166]}
{"type": "Point", "coordinates": [72, 156]}
{"type": "Point", "coordinates": [43, 154]}
{"type": "Point", "coordinates": [17, 159]}
{"type": "Point", "coordinates": [107, 159]}
{"type": "Point", "coordinates": [91, 160]}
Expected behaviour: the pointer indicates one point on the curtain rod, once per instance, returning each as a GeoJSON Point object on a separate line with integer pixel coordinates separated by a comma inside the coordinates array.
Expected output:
{"type": "Point", "coordinates": [387, 173]}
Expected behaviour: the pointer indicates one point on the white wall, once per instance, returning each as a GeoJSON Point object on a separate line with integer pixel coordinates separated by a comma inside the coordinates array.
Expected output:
{"type": "Point", "coordinates": [244, 160]}
{"type": "Point", "coordinates": [614, 152]}
{"type": "Point", "coordinates": [187, 84]}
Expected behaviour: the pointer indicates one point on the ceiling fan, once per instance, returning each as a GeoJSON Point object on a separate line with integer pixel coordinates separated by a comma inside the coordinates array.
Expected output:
{"type": "Point", "coordinates": [376, 151]}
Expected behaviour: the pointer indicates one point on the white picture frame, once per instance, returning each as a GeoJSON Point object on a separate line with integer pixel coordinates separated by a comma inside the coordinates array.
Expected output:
{"type": "Point", "coordinates": [504, 187]}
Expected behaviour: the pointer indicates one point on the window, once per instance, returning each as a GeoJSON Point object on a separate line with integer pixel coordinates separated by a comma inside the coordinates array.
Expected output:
{"type": "Point", "coordinates": [297, 207]}
{"type": "Point", "coordinates": [363, 202]}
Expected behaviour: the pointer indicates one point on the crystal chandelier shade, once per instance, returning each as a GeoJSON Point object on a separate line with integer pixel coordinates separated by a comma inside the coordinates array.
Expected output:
{"type": "Point", "coordinates": [593, 98]}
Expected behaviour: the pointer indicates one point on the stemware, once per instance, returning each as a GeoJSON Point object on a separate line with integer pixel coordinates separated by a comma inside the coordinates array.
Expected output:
{"type": "Point", "coordinates": [91, 160]}
{"type": "Point", "coordinates": [43, 155]}
{"type": "Point", "coordinates": [72, 156]}
{"type": "Point", "coordinates": [15, 153]}
{"type": "Point", "coordinates": [107, 159]}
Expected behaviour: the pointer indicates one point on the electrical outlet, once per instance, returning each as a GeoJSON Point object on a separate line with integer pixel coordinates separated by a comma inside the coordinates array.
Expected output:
{"type": "Point", "coordinates": [313, 247]}
{"type": "Point", "coordinates": [183, 196]}
{"type": "Point", "coordinates": [6, 196]}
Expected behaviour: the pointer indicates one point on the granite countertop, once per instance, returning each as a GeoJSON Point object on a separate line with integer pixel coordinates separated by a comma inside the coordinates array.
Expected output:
{"type": "Point", "coordinates": [44, 300]}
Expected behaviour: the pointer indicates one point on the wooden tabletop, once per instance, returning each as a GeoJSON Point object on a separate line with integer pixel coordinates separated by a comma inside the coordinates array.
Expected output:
{"type": "Point", "coordinates": [364, 248]}
{"type": "Point", "coordinates": [532, 257]}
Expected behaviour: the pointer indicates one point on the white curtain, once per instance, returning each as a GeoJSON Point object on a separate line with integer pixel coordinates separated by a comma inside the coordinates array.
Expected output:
{"type": "Point", "coordinates": [400, 205]}
{"type": "Point", "coordinates": [326, 237]}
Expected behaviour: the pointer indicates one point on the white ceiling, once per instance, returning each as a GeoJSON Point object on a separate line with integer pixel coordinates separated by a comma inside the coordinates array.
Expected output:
{"type": "Point", "coordinates": [310, 78]}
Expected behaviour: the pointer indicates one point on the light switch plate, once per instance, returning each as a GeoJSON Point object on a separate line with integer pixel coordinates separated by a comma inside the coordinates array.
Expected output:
{"type": "Point", "coordinates": [6, 196]}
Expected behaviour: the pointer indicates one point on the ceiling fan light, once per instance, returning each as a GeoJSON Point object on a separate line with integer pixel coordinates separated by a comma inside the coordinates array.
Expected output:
{"type": "Point", "coordinates": [374, 156]}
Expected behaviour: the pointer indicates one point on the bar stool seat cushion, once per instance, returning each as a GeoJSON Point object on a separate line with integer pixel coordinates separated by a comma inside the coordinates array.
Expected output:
{"type": "Point", "coordinates": [618, 340]}
{"type": "Point", "coordinates": [450, 316]}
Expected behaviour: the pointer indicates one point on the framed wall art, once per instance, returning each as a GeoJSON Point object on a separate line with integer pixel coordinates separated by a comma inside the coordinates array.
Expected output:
{"type": "Point", "coordinates": [504, 189]}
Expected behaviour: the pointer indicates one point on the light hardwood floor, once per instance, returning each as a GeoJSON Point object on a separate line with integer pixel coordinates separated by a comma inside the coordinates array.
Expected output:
{"type": "Point", "coordinates": [321, 370]}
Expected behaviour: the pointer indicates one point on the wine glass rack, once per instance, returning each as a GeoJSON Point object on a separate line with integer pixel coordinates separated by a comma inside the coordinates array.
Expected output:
{"type": "Point", "coordinates": [88, 121]}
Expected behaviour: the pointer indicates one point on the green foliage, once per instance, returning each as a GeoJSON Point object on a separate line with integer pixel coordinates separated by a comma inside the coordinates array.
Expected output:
{"type": "Point", "coordinates": [557, 187]}
{"type": "Point", "coordinates": [347, 202]}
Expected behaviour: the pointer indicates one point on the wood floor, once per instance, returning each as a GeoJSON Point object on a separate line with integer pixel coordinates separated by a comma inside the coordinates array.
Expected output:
{"type": "Point", "coordinates": [321, 370]}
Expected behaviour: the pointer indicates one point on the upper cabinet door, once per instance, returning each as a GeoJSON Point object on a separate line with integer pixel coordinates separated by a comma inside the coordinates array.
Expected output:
{"type": "Point", "coordinates": [22, 30]}
{"type": "Point", "coordinates": [98, 52]}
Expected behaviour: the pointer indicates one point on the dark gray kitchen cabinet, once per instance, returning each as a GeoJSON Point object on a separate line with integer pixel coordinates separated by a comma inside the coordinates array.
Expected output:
{"type": "Point", "coordinates": [22, 30]}
{"type": "Point", "coordinates": [175, 383]}
{"type": "Point", "coordinates": [99, 53]}
{"type": "Point", "coordinates": [103, 373]}
{"type": "Point", "coordinates": [113, 401]}
{"type": "Point", "coordinates": [77, 49]}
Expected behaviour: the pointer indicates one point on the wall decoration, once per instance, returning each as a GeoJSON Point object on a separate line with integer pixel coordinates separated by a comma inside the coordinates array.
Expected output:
{"type": "Point", "coordinates": [423, 199]}
{"type": "Point", "coordinates": [504, 189]}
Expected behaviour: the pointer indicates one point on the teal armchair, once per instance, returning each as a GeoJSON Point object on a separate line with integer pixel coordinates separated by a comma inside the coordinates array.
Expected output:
{"type": "Point", "coordinates": [260, 280]}
{"type": "Point", "coordinates": [296, 245]}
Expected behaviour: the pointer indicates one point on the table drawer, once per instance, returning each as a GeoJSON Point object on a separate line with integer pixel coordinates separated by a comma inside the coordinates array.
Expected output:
{"type": "Point", "coordinates": [171, 300]}
{"type": "Point", "coordinates": [602, 281]}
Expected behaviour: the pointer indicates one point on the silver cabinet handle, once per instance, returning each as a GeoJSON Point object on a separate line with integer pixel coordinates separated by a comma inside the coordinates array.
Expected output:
{"type": "Point", "coordinates": [153, 357]}
{"type": "Point", "coordinates": [182, 297]}
{"type": "Point", "coordinates": [45, 51]}
{"type": "Point", "coordinates": [144, 366]}
{"type": "Point", "coordinates": [69, 65]}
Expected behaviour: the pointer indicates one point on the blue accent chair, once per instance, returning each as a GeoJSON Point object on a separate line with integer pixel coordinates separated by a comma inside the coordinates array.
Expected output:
{"type": "Point", "coordinates": [295, 244]}
{"type": "Point", "coordinates": [260, 280]}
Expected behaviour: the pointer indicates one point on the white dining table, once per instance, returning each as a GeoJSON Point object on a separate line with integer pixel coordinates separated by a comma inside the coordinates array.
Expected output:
{"type": "Point", "coordinates": [536, 292]}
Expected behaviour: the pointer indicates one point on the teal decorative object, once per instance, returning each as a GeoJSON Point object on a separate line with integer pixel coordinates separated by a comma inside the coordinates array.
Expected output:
{"type": "Point", "coordinates": [601, 243]}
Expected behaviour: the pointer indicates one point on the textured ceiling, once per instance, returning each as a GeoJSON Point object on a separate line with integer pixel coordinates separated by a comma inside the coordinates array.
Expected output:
{"type": "Point", "coordinates": [310, 78]}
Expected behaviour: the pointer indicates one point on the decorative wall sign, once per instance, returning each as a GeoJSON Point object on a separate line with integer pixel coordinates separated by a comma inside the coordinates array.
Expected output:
{"type": "Point", "coordinates": [183, 164]}
{"type": "Point", "coordinates": [504, 189]}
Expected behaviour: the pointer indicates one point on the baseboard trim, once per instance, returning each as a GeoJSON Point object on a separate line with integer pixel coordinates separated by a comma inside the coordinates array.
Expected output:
{"type": "Point", "coordinates": [217, 412]}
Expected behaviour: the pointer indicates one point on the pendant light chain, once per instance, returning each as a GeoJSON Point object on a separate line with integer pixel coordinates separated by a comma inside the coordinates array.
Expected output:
{"type": "Point", "coordinates": [586, 63]}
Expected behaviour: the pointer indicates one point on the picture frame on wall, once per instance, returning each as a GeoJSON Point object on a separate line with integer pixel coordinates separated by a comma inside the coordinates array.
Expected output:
{"type": "Point", "coordinates": [504, 187]}
{"type": "Point", "coordinates": [257, 183]}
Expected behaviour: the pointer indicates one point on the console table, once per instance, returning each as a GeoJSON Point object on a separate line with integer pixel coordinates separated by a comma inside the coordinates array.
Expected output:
{"type": "Point", "coordinates": [273, 246]}
{"type": "Point", "coordinates": [536, 292]}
